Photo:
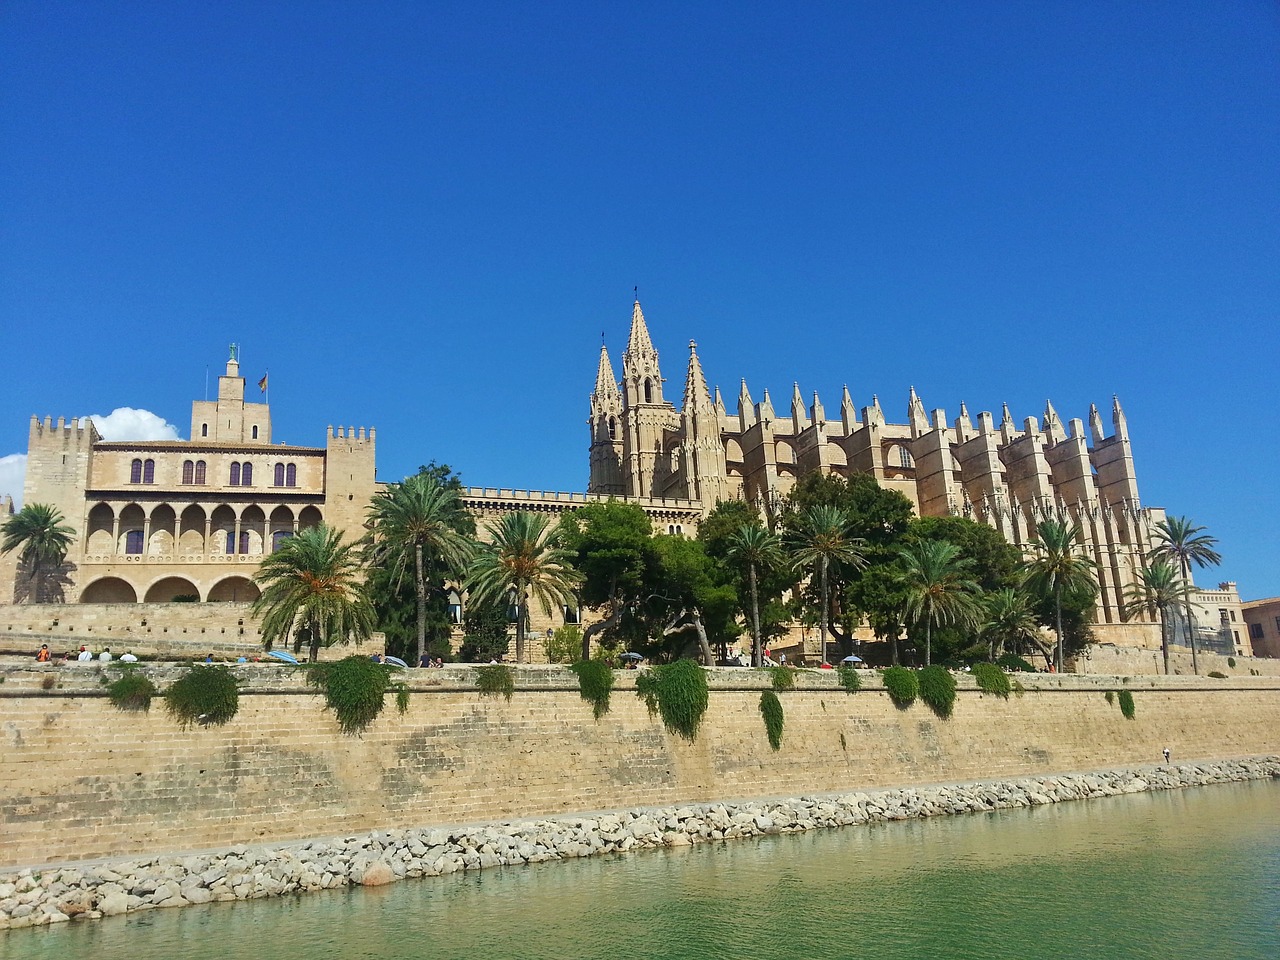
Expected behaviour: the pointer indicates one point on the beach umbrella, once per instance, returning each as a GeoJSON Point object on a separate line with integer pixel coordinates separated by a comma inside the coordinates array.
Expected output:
{"type": "Point", "coordinates": [286, 657]}
{"type": "Point", "coordinates": [396, 661]}
{"type": "Point", "coordinates": [851, 659]}
{"type": "Point", "coordinates": [633, 656]}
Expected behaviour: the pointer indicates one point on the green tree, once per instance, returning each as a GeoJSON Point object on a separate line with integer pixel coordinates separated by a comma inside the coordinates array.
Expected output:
{"type": "Point", "coordinates": [689, 596]}
{"type": "Point", "coordinates": [1182, 544]}
{"type": "Point", "coordinates": [525, 554]}
{"type": "Point", "coordinates": [1057, 570]}
{"type": "Point", "coordinates": [1157, 590]}
{"type": "Point", "coordinates": [1009, 619]}
{"type": "Point", "coordinates": [718, 533]}
{"type": "Point", "coordinates": [818, 539]}
{"type": "Point", "coordinates": [759, 550]}
{"type": "Point", "coordinates": [45, 538]}
{"type": "Point", "coordinates": [485, 626]}
{"type": "Point", "coordinates": [613, 549]}
{"type": "Point", "coordinates": [420, 525]}
{"type": "Point", "coordinates": [936, 582]}
{"type": "Point", "coordinates": [313, 584]}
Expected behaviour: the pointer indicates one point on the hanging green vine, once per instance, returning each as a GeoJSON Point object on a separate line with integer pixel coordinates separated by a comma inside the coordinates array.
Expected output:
{"type": "Point", "coordinates": [902, 684]}
{"type": "Point", "coordinates": [991, 679]}
{"type": "Point", "coordinates": [207, 694]}
{"type": "Point", "coordinates": [354, 689]}
{"type": "Point", "coordinates": [938, 690]}
{"type": "Point", "coordinates": [677, 691]}
{"type": "Point", "coordinates": [402, 698]}
{"type": "Point", "coordinates": [783, 678]}
{"type": "Point", "coordinates": [771, 710]}
{"type": "Point", "coordinates": [850, 679]}
{"type": "Point", "coordinates": [595, 684]}
{"type": "Point", "coordinates": [1126, 704]}
{"type": "Point", "coordinates": [132, 690]}
{"type": "Point", "coordinates": [496, 678]}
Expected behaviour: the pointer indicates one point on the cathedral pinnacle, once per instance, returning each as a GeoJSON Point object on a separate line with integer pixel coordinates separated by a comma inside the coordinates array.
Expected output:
{"type": "Point", "coordinates": [606, 383]}
{"type": "Point", "coordinates": [696, 395]}
{"type": "Point", "coordinates": [639, 341]}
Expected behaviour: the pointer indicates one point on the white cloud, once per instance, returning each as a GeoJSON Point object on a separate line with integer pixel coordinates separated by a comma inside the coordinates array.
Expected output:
{"type": "Point", "coordinates": [126, 423]}
{"type": "Point", "coordinates": [13, 470]}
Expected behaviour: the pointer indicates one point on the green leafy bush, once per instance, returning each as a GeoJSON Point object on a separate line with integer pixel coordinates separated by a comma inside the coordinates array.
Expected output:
{"type": "Point", "coordinates": [1011, 661]}
{"type": "Point", "coordinates": [991, 679]}
{"type": "Point", "coordinates": [1126, 704]}
{"type": "Point", "coordinates": [564, 645]}
{"type": "Point", "coordinates": [354, 689]}
{"type": "Point", "coordinates": [595, 683]}
{"type": "Point", "coordinates": [186, 598]}
{"type": "Point", "coordinates": [902, 684]}
{"type": "Point", "coordinates": [1110, 696]}
{"type": "Point", "coordinates": [132, 690]}
{"type": "Point", "coordinates": [1218, 674]}
{"type": "Point", "coordinates": [850, 679]}
{"type": "Point", "coordinates": [783, 678]}
{"type": "Point", "coordinates": [204, 695]}
{"type": "Point", "coordinates": [938, 690]}
{"type": "Point", "coordinates": [402, 698]}
{"type": "Point", "coordinates": [678, 692]}
{"type": "Point", "coordinates": [1231, 662]}
{"type": "Point", "coordinates": [496, 678]}
{"type": "Point", "coordinates": [771, 710]}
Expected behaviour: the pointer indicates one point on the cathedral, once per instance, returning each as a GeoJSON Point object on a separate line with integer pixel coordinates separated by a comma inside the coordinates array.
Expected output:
{"type": "Point", "coordinates": [1008, 475]}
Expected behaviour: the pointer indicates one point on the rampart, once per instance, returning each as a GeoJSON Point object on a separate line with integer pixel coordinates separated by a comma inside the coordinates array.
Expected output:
{"type": "Point", "coordinates": [79, 779]}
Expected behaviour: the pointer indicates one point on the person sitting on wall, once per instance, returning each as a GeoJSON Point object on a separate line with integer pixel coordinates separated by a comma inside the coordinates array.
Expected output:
{"type": "Point", "coordinates": [85, 655]}
{"type": "Point", "coordinates": [105, 655]}
{"type": "Point", "coordinates": [44, 655]}
{"type": "Point", "coordinates": [128, 657]}
{"type": "Point", "coordinates": [376, 658]}
{"type": "Point", "coordinates": [425, 661]}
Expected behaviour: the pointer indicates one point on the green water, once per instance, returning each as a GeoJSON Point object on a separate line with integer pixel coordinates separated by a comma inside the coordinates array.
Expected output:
{"type": "Point", "coordinates": [1188, 874]}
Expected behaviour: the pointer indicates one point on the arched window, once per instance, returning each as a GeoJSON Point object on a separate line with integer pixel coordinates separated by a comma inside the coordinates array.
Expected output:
{"type": "Point", "coordinates": [204, 429]}
{"type": "Point", "coordinates": [278, 538]}
{"type": "Point", "coordinates": [648, 390]}
{"type": "Point", "coordinates": [135, 471]}
{"type": "Point", "coordinates": [244, 541]}
{"type": "Point", "coordinates": [291, 475]}
{"type": "Point", "coordinates": [188, 471]}
{"type": "Point", "coordinates": [904, 458]}
{"type": "Point", "coordinates": [235, 481]}
{"type": "Point", "coordinates": [455, 607]}
{"type": "Point", "coordinates": [255, 433]}
{"type": "Point", "coordinates": [279, 479]}
{"type": "Point", "coordinates": [613, 429]}
{"type": "Point", "coordinates": [231, 541]}
{"type": "Point", "coordinates": [246, 475]}
{"type": "Point", "coordinates": [200, 472]}
{"type": "Point", "coordinates": [148, 471]}
{"type": "Point", "coordinates": [133, 542]}
{"type": "Point", "coordinates": [571, 615]}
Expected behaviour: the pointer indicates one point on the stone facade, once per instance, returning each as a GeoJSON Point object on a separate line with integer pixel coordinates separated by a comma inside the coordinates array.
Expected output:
{"type": "Point", "coordinates": [1262, 619]}
{"type": "Point", "coordinates": [1010, 475]}
{"type": "Point", "coordinates": [156, 520]}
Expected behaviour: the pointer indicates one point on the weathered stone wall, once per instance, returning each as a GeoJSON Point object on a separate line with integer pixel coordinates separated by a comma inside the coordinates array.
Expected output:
{"type": "Point", "coordinates": [1121, 661]}
{"type": "Point", "coordinates": [78, 779]}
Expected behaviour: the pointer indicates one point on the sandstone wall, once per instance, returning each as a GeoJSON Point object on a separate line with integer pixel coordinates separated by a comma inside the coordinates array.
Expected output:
{"type": "Point", "coordinates": [78, 779]}
{"type": "Point", "coordinates": [1112, 661]}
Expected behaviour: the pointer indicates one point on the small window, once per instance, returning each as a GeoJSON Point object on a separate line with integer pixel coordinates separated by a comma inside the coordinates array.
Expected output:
{"type": "Point", "coordinates": [244, 541]}
{"type": "Point", "coordinates": [613, 429]}
{"type": "Point", "coordinates": [1233, 616]}
{"type": "Point", "coordinates": [235, 481]}
{"type": "Point", "coordinates": [135, 472]}
{"type": "Point", "coordinates": [455, 607]}
{"type": "Point", "coordinates": [291, 475]}
{"type": "Point", "coordinates": [571, 615]}
{"type": "Point", "coordinates": [204, 429]}
{"type": "Point", "coordinates": [246, 475]}
{"type": "Point", "coordinates": [648, 391]}
{"type": "Point", "coordinates": [148, 471]}
{"type": "Point", "coordinates": [188, 471]}
{"type": "Point", "coordinates": [1277, 624]}
{"type": "Point", "coordinates": [255, 433]}
{"type": "Point", "coordinates": [279, 478]}
{"type": "Point", "coordinates": [200, 472]}
{"type": "Point", "coordinates": [1236, 635]}
{"type": "Point", "coordinates": [278, 538]}
{"type": "Point", "coordinates": [1255, 631]}
{"type": "Point", "coordinates": [133, 542]}
{"type": "Point", "coordinates": [231, 541]}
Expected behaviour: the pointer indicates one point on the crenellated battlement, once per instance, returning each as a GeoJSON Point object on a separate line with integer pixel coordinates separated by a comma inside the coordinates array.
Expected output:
{"type": "Point", "coordinates": [356, 435]}
{"type": "Point", "coordinates": [78, 432]}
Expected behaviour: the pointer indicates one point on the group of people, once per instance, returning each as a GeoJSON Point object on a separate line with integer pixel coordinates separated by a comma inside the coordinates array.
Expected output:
{"type": "Point", "coordinates": [83, 655]}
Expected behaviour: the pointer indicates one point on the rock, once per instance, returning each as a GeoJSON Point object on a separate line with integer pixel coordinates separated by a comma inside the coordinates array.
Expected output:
{"type": "Point", "coordinates": [113, 903]}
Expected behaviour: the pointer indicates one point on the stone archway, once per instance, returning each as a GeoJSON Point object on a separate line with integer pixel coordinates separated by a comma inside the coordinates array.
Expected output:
{"type": "Point", "coordinates": [109, 590]}
{"type": "Point", "coordinates": [167, 588]}
{"type": "Point", "coordinates": [234, 590]}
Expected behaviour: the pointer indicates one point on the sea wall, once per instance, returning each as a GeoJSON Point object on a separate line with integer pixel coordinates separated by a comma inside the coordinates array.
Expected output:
{"type": "Point", "coordinates": [1111, 660]}
{"type": "Point", "coordinates": [80, 779]}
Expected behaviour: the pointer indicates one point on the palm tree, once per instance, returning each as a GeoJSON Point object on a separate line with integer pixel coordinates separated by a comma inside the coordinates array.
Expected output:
{"type": "Point", "coordinates": [1057, 569]}
{"type": "Point", "coordinates": [417, 522]}
{"type": "Point", "coordinates": [819, 538]}
{"type": "Point", "coordinates": [1008, 619]}
{"type": "Point", "coordinates": [1182, 544]}
{"type": "Point", "coordinates": [44, 538]}
{"type": "Point", "coordinates": [935, 579]}
{"type": "Point", "coordinates": [1157, 589]}
{"type": "Point", "coordinates": [526, 554]}
{"type": "Point", "coordinates": [760, 549]}
{"type": "Point", "coordinates": [313, 584]}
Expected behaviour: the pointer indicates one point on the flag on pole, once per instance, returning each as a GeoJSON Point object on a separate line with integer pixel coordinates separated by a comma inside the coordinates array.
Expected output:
{"type": "Point", "coordinates": [262, 384]}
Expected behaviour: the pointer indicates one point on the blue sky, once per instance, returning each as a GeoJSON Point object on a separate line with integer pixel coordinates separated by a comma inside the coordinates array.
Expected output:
{"type": "Point", "coordinates": [421, 217]}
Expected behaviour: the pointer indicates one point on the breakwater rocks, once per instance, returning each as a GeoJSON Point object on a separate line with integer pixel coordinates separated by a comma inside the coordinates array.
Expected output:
{"type": "Point", "coordinates": [56, 894]}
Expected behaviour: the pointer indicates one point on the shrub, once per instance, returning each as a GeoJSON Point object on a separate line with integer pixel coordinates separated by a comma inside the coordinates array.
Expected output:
{"type": "Point", "coordinates": [938, 690]}
{"type": "Point", "coordinates": [1218, 674]}
{"type": "Point", "coordinates": [850, 679]}
{"type": "Point", "coordinates": [771, 710]}
{"type": "Point", "coordinates": [1110, 696]}
{"type": "Point", "coordinates": [784, 678]}
{"type": "Point", "coordinates": [678, 692]}
{"type": "Point", "coordinates": [595, 683]}
{"type": "Point", "coordinates": [204, 695]}
{"type": "Point", "coordinates": [48, 682]}
{"type": "Point", "coordinates": [991, 679]}
{"type": "Point", "coordinates": [354, 689]}
{"type": "Point", "coordinates": [496, 678]}
{"type": "Point", "coordinates": [132, 691]}
{"type": "Point", "coordinates": [564, 645]}
{"type": "Point", "coordinates": [1019, 690]}
{"type": "Point", "coordinates": [1231, 662]}
{"type": "Point", "coordinates": [902, 684]}
{"type": "Point", "coordinates": [402, 698]}
{"type": "Point", "coordinates": [186, 598]}
{"type": "Point", "coordinates": [1126, 704]}
{"type": "Point", "coordinates": [1011, 661]}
